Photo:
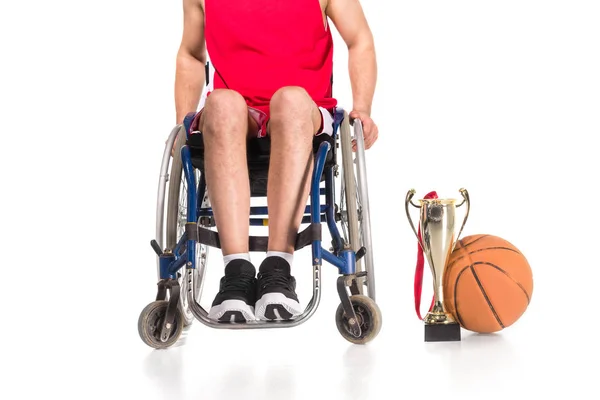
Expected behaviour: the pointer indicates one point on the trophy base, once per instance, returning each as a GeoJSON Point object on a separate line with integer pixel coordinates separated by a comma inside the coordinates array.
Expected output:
{"type": "Point", "coordinates": [442, 333]}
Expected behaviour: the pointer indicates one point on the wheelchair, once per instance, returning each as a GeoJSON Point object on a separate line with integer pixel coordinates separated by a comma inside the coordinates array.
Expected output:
{"type": "Point", "coordinates": [184, 238]}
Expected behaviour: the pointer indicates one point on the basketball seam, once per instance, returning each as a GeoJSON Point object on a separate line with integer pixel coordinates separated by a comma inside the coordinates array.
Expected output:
{"type": "Point", "coordinates": [455, 297]}
{"type": "Point", "coordinates": [476, 240]}
{"type": "Point", "coordinates": [509, 277]}
{"type": "Point", "coordinates": [487, 299]}
{"type": "Point", "coordinates": [478, 250]}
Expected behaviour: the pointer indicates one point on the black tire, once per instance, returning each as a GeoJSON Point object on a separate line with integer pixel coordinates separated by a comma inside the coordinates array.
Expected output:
{"type": "Point", "coordinates": [150, 320]}
{"type": "Point", "coordinates": [369, 319]}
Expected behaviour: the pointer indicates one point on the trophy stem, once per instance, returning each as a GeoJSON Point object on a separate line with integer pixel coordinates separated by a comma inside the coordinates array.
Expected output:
{"type": "Point", "coordinates": [438, 316]}
{"type": "Point", "coordinates": [440, 325]}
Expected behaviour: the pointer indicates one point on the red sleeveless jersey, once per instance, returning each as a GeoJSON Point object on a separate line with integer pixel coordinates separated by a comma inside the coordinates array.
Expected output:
{"type": "Point", "coordinates": [258, 46]}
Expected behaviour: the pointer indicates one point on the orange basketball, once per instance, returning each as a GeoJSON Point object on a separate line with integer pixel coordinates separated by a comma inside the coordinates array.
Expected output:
{"type": "Point", "coordinates": [488, 283]}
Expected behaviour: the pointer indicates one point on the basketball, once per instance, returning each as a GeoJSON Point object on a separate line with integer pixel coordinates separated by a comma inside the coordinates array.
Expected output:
{"type": "Point", "coordinates": [488, 283]}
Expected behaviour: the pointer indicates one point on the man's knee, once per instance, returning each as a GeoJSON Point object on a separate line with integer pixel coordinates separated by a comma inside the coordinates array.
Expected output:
{"type": "Point", "coordinates": [293, 106]}
{"type": "Point", "coordinates": [223, 106]}
{"type": "Point", "coordinates": [292, 100]}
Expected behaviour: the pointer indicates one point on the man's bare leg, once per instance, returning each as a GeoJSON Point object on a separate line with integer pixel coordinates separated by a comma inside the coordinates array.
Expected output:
{"type": "Point", "coordinates": [225, 124]}
{"type": "Point", "coordinates": [294, 120]}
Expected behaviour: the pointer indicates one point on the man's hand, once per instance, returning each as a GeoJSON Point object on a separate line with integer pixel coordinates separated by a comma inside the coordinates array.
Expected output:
{"type": "Point", "coordinates": [370, 130]}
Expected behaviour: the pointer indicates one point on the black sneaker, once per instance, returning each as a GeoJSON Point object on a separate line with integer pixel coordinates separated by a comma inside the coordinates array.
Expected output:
{"type": "Point", "coordinates": [277, 299]}
{"type": "Point", "coordinates": [237, 293]}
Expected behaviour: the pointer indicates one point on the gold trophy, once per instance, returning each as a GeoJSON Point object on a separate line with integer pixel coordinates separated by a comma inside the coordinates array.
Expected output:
{"type": "Point", "coordinates": [437, 223]}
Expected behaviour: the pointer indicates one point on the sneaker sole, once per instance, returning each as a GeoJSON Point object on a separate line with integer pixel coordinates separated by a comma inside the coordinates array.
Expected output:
{"type": "Point", "coordinates": [277, 307]}
{"type": "Point", "coordinates": [232, 311]}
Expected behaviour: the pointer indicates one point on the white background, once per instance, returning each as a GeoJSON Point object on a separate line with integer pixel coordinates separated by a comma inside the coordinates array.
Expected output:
{"type": "Point", "coordinates": [499, 97]}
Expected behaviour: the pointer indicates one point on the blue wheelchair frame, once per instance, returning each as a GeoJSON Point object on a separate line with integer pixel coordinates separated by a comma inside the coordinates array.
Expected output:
{"type": "Point", "coordinates": [355, 308]}
{"type": "Point", "coordinates": [343, 259]}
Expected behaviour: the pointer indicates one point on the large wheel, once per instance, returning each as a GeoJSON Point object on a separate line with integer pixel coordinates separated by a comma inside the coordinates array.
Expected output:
{"type": "Point", "coordinates": [177, 188]}
{"type": "Point", "coordinates": [349, 206]}
{"type": "Point", "coordinates": [175, 227]}
{"type": "Point", "coordinates": [364, 207]}
{"type": "Point", "coordinates": [354, 204]}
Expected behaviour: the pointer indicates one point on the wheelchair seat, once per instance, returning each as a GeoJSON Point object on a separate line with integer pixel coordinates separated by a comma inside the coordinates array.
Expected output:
{"type": "Point", "coordinates": [258, 156]}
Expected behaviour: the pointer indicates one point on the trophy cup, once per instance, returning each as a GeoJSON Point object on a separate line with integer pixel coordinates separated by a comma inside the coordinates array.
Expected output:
{"type": "Point", "coordinates": [437, 222]}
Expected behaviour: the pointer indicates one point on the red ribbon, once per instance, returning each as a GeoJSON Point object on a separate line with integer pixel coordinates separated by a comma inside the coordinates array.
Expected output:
{"type": "Point", "coordinates": [420, 267]}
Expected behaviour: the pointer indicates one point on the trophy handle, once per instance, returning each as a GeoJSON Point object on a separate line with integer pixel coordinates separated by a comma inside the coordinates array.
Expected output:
{"type": "Point", "coordinates": [466, 200]}
{"type": "Point", "coordinates": [408, 201]}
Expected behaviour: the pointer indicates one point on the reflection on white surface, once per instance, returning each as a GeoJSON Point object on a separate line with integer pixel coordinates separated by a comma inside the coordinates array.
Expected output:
{"type": "Point", "coordinates": [239, 371]}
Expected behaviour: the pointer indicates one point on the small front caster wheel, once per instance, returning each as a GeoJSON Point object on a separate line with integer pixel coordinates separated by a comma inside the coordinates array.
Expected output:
{"type": "Point", "coordinates": [150, 323]}
{"type": "Point", "coordinates": [368, 317]}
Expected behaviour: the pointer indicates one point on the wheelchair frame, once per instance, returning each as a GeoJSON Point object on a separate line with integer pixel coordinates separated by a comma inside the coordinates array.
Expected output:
{"type": "Point", "coordinates": [358, 317]}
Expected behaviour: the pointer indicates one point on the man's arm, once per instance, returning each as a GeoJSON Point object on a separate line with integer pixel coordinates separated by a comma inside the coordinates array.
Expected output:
{"type": "Point", "coordinates": [191, 60]}
{"type": "Point", "coordinates": [350, 21]}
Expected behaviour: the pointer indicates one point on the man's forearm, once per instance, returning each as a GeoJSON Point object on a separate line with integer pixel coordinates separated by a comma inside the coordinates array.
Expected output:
{"type": "Point", "coordinates": [189, 82]}
{"type": "Point", "coordinates": [363, 75]}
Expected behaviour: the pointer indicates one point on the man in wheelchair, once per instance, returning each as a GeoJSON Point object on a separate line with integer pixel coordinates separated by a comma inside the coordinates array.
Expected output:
{"type": "Point", "coordinates": [273, 63]}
